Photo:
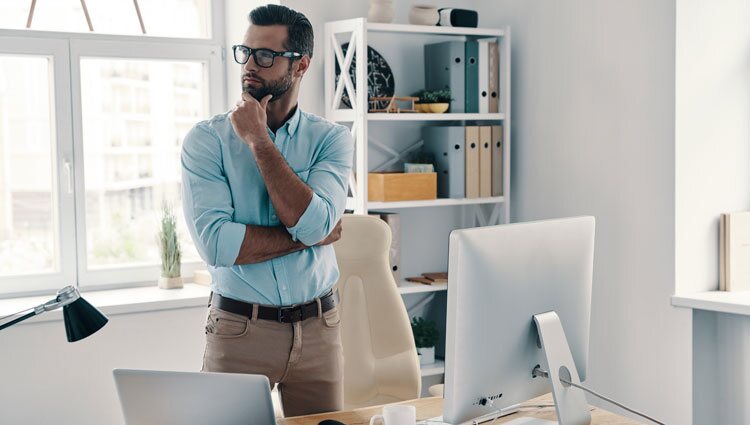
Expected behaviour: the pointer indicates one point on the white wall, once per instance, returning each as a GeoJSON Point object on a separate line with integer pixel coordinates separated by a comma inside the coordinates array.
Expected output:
{"type": "Point", "coordinates": [593, 133]}
{"type": "Point", "coordinates": [713, 177]}
{"type": "Point", "coordinates": [712, 131]}
{"type": "Point", "coordinates": [45, 379]}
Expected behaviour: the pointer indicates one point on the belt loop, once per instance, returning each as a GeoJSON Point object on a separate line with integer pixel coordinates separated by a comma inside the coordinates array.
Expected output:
{"type": "Point", "coordinates": [320, 307]}
{"type": "Point", "coordinates": [254, 314]}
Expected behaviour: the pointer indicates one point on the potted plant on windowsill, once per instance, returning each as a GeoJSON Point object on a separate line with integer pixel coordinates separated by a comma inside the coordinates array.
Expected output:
{"type": "Point", "coordinates": [434, 101]}
{"type": "Point", "coordinates": [169, 247]}
{"type": "Point", "coordinates": [425, 337]}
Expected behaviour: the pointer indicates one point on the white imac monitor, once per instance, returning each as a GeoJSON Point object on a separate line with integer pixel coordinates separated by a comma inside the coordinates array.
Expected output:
{"type": "Point", "coordinates": [500, 277]}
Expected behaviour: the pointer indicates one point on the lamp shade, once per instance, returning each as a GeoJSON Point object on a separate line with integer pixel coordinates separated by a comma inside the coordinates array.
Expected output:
{"type": "Point", "coordinates": [82, 319]}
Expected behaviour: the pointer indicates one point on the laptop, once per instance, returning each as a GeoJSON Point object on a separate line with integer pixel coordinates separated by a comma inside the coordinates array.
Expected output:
{"type": "Point", "coordinates": [193, 398]}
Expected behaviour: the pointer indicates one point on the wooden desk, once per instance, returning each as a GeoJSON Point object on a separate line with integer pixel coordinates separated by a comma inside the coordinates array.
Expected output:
{"type": "Point", "coordinates": [433, 406]}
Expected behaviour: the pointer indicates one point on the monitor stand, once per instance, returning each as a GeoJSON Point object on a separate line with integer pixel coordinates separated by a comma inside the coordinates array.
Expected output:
{"type": "Point", "coordinates": [570, 402]}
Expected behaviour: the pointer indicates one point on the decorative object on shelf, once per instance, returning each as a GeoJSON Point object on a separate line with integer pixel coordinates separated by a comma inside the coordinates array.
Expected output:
{"type": "Point", "coordinates": [430, 278]}
{"type": "Point", "coordinates": [451, 17]}
{"type": "Point", "coordinates": [394, 187]}
{"type": "Point", "coordinates": [433, 101]}
{"type": "Point", "coordinates": [422, 14]}
{"type": "Point", "coordinates": [380, 81]}
{"type": "Point", "coordinates": [169, 247]}
{"type": "Point", "coordinates": [418, 168]}
{"type": "Point", "coordinates": [392, 105]}
{"type": "Point", "coordinates": [425, 337]}
{"type": "Point", "coordinates": [380, 11]}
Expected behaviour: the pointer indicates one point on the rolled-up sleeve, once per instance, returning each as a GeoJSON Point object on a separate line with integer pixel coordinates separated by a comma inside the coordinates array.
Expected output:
{"type": "Point", "coordinates": [207, 200]}
{"type": "Point", "coordinates": [329, 181]}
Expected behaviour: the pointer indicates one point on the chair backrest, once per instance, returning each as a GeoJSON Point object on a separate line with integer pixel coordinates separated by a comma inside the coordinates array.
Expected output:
{"type": "Point", "coordinates": [380, 358]}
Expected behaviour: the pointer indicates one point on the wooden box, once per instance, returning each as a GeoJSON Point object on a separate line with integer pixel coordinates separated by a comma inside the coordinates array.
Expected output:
{"type": "Point", "coordinates": [394, 186]}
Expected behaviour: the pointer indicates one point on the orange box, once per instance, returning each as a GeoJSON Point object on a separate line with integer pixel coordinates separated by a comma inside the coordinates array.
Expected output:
{"type": "Point", "coordinates": [394, 186]}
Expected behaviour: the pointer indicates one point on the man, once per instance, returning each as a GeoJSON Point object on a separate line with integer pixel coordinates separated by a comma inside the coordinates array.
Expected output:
{"type": "Point", "coordinates": [264, 188]}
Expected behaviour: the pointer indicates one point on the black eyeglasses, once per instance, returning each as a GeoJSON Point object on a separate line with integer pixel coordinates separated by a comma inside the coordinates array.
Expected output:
{"type": "Point", "coordinates": [263, 57]}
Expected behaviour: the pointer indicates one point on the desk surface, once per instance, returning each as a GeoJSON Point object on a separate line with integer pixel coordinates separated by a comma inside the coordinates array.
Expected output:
{"type": "Point", "coordinates": [433, 406]}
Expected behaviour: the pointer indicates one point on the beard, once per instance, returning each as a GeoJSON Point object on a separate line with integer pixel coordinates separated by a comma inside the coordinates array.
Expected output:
{"type": "Point", "coordinates": [276, 87]}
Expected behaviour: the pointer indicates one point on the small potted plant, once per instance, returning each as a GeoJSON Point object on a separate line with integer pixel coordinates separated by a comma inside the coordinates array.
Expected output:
{"type": "Point", "coordinates": [425, 337]}
{"type": "Point", "coordinates": [435, 101]}
{"type": "Point", "coordinates": [169, 247]}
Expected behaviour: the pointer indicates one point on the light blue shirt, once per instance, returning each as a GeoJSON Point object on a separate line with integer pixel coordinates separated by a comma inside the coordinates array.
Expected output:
{"type": "Point", "coordinates": [223, 190]}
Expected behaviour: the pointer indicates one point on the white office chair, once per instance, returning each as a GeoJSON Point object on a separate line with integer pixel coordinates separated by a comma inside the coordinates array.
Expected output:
{"type": "Point", "coordinates": [380, 359]}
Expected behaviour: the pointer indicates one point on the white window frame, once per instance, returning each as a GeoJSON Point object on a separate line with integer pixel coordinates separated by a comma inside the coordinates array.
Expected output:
{"type": "Point", "coordinates": [62, 154]}
{"type": "Point", "coordinates": [67, 49]}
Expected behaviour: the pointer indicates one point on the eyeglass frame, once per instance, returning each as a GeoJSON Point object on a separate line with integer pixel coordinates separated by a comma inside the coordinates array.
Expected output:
{"type": "Point", "coordinates": [251, 52]}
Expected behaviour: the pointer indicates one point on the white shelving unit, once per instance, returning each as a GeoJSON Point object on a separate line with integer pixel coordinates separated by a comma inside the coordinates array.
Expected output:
{"type": "Point", "coordinates": [355, 32]}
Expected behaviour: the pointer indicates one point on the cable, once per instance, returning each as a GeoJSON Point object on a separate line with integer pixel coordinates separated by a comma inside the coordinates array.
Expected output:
{"type": "Point", "coordinates": [540, 372]}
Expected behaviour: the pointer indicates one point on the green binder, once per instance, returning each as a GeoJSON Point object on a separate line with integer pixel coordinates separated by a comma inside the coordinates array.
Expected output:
{"type": "Point", "coordinates": [471, 94]}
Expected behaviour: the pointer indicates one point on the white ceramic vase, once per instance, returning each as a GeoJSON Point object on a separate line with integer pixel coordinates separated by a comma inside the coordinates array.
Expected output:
{"type": "Point", "coordinates": [170, 282]}
{"type": "Point", "coordinates": [426, 355]}
{"type": "Point", "coordinates": [423, 15]}
{"type": "Point", "coordinates": [380, 11]}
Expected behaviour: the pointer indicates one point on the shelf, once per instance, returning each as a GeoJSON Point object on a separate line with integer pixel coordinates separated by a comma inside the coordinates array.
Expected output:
{"type": "Point", "coordinates": [443, 202]}
{"type": "Point", "coordinates": [437, 368]}
{"type": "Point", "coordinates": [414, 288]}
{"type": "Point", "coordinates": [408, 116]}
{"type": "Point", "coordinates": [348, 115]}
{"type": "Point", "coordinates": [434, 30]}
{"type": "Point", "coordinates": [719, 301]}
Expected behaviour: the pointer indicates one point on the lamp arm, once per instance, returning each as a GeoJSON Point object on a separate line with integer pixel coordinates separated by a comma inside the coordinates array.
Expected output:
{"type": "Point", "coordinates": [64, 297]}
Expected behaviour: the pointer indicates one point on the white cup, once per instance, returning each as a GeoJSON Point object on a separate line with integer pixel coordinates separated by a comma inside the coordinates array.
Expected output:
{"type": "Point", "coordinates": [397, 414]}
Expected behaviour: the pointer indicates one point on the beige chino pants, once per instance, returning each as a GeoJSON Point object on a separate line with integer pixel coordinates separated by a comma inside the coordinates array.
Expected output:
{"type": "Point", "coordinates": [304, 358]}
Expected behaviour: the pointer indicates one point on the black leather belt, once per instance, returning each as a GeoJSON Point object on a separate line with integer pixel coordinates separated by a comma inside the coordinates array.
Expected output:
{"type": "Point", "coordinates": [288, 314]}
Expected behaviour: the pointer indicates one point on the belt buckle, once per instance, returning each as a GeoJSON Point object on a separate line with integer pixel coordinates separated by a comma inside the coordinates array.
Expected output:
{"type": "Point", "coordinates": [295, 314]}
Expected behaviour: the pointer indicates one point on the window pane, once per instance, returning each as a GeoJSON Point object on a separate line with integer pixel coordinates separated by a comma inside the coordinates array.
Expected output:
{"type": "Point", "coordinates": [135, 115]}
{"type": "Point", "coordinates": [166, 18]}
{"type": "Point", "coordinates": [28, 204]}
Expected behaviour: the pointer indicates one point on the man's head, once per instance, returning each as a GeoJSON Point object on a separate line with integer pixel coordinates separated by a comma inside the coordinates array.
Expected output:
{"type": "Point", "coordinates": [281, 45]}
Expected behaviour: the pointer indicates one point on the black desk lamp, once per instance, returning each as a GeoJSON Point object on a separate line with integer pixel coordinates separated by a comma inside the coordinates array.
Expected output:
{"type": "Point", "coordinates": [81, 318]}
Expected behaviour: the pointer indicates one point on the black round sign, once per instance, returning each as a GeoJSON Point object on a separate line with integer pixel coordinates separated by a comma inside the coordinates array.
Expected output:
{"type": "Point", "coordinates": [379, 76]}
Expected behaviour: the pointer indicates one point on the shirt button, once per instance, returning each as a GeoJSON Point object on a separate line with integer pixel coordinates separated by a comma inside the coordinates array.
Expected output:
{"type": "Point", "coordinates": [273, 216]}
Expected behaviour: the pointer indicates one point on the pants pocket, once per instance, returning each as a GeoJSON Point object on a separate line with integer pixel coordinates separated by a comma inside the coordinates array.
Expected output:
{"type": "Point", "coordinates": [223, 324]}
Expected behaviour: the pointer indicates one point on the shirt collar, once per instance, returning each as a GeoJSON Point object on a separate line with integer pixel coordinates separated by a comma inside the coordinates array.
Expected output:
{"type": "Point", "coordinates": [291, 124]}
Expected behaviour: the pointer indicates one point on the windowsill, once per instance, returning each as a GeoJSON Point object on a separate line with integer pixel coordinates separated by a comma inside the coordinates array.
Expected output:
{"type": "Point", "coordinates": [719, 301]}
{"type": "Point", "coordinates": [117, 301]}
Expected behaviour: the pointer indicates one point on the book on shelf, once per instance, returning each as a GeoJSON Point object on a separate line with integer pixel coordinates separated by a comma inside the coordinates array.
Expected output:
{"type": "Point", "coordinates": [494, 77]}
{"type": "Point", "coordinates": [444, 69]}
{"type": "Point", "coordinates": [485, 161]}
{"type": "Point", "coordinates": [432, 278]}
{"type": "Point", "coordinates": [497, 160]}
{"type": "Point", "coordinates": [734, 252]}
{"type": "Point", "coordinates": [471, 71]}
{"type": "Point", "coordinates": [471, 85]}
{"type": "Point", "coordinates": [471, 148]}
{"type": "Point", "coordinates": [446, 145]}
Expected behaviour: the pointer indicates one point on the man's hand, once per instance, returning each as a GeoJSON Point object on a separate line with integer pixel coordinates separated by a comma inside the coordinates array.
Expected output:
{"type": "Point", "coordinates": [333, 237]}
{"type": "Point", "coordinates": [249, 119]}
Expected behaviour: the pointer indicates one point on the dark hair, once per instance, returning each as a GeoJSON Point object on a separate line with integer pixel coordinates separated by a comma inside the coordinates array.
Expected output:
{"type": "Point", "coordinates": [298, 27]}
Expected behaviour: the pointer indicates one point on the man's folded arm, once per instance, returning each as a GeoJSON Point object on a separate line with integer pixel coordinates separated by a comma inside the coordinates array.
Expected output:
{"type": "Point", "coordinates": [207, 204]}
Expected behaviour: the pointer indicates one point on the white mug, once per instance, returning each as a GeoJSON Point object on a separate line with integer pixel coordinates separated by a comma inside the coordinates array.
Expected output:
{"type": "Point", "coordinates": [397, 414]}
